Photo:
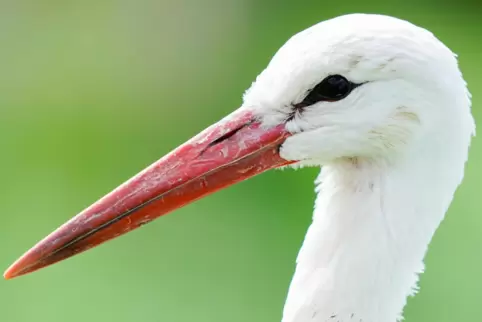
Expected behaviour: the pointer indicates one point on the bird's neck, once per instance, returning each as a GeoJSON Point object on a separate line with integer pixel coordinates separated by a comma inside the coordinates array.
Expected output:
{"type": "Point", "coordinates": [365, 248]}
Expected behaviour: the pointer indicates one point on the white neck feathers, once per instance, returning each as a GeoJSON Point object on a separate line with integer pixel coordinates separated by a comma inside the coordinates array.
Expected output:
{"type": "Point", "coordinates": [371, 228]}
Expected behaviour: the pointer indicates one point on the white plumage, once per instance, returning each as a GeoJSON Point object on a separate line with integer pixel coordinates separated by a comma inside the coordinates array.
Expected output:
{"type": "Point", "coordinates": [393, 154]}
{"type": "Point", "coordinates": [392, 142]}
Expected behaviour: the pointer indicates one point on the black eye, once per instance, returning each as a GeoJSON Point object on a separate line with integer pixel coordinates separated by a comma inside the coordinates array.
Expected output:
{"type": "Point", "coordinates": [332, 88]}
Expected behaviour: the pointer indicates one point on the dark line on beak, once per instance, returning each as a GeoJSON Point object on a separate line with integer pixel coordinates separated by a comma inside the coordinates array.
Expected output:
{"type": "Point", "coordinates": [225, 136]}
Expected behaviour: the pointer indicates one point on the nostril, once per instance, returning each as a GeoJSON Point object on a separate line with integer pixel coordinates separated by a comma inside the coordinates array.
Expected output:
{"type": "Point", "coordinates": [225, 136]}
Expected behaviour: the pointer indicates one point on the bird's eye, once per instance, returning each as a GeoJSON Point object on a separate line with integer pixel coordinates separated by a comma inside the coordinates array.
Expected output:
{"type": "Point", "coordinates": [332, 88]}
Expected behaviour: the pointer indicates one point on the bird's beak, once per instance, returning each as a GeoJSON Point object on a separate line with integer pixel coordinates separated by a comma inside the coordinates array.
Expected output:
{"type": "Point", "coordinates": [232, 150]}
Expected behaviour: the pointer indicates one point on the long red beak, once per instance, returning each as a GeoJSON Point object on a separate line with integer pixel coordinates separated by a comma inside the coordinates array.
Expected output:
{"type": "Point", "coordinates": [234, 149]}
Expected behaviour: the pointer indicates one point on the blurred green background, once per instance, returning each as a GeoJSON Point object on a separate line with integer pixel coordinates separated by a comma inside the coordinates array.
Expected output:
{"type": "Point", "coordinates": [93, 91]}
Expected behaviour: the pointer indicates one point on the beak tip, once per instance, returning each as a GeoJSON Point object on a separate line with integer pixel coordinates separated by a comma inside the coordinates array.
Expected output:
{"type": "Point", "coordinates": [9, 273]}
{"type": "Point", "coordinates": [18, 268]}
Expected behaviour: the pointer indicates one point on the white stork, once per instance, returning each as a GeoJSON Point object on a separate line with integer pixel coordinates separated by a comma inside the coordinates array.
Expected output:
{"type": "Point", "coordinates": [381, 105]}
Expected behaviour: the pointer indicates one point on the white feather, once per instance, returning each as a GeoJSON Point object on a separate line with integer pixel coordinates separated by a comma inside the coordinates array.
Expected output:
{"type": "Point", "coordinates": [393, 153]}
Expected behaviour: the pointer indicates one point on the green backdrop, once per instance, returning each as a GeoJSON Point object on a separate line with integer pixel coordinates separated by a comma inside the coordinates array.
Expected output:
{"type": "Point", "coordinates": [93, 91]}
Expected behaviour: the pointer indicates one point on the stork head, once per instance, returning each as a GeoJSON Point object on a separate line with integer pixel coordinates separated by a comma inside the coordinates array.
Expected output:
{"type": "Point", "coordinates": [355, 86]}
{"type": "Point", "coordinates": [362, 86]}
